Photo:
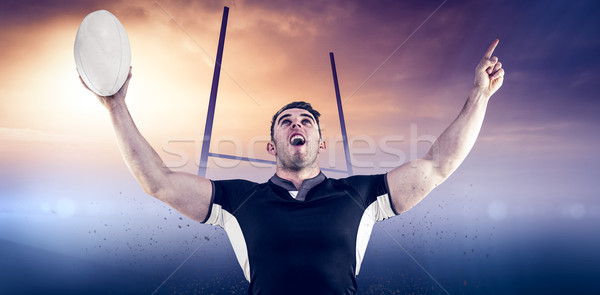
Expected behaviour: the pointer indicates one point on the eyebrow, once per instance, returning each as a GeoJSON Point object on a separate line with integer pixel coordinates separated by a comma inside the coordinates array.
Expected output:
{"type": "Point", "coordinates": [308, 116]}
{"type": "Point", "coordinates": [301, 115]}
{"type": "Point", "coordinates": [282, 117]}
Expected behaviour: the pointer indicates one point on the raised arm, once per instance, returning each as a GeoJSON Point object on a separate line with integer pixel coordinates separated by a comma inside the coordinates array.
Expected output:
{"type": "Point", "coordinates": [187, 193]}
{"type": "Point", "coordinates": [412, 181]}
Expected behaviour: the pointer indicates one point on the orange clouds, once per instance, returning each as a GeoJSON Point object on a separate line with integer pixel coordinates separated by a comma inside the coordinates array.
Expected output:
{"type": "Point", "coordinates": [273, 54]}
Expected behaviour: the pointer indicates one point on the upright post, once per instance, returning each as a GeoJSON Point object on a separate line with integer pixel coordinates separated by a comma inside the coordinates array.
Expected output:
{"type": "Point", "coordinates": [341, 114]}
{"type": "Point", "coordinates": [213, 98]}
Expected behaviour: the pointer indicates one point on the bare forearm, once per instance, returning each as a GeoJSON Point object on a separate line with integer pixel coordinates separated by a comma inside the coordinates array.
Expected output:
{"type": "Point", "coordinates": [187, 193]}
{"type": "Point", "coordinates": [411, 182]}
{"type": "Point", "coordinates": [141, 159]}
{"type": "Point", "coordinates": [455, 143]}
{"type": "Point", "coordinates": [452, 147]}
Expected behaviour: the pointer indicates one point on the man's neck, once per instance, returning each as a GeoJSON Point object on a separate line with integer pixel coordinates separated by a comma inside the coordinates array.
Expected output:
{"type": "Point", "coordinates": [297, 176]}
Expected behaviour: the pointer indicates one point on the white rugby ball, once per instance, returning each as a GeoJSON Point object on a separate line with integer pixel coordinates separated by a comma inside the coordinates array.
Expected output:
{"type": "Point", "coordinates": [102, 53]}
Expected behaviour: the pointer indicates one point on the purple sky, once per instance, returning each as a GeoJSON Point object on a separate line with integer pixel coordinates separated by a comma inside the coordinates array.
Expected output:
{"type": "Point", "coordinates": [536, 155]}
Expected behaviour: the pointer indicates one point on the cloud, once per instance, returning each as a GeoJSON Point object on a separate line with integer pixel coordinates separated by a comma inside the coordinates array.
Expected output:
{"type": "Point", "coordinates": [541, 140]}
{"type": "Point", "coordinates": [42, 136]}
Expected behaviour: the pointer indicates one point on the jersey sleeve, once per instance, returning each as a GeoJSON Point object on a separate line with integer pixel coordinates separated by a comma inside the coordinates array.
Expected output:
{"type": "Point", "coordinates": [227, 196]}
{"type": "Point", "coordinates": [374, 195]}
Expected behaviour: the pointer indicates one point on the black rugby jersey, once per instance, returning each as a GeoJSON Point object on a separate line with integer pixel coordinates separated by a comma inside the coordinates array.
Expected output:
{"type": "Point", "coordinates": [287, 246]}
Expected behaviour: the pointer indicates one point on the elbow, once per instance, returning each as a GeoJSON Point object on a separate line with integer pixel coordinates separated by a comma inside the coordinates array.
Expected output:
{"type": "Point", "coordinates": [160, 193]}
{"type": "Point", "coordinates": [154, 188]}
{"type": "Point", "coordinates": [150, 189]}
{"type": "Point", "coordinates": [445, 169]}
{"type": "Point", "coordinates": [442, 174]}
{"type": "Point", "coordinates": [437, 176]}
{"type": "Point", "coordinates": [442, 164]}
{"type": "Point", "coordinates": [154, 184]}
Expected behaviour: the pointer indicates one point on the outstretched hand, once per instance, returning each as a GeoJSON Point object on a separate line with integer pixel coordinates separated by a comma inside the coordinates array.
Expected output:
{"type": "Point", "coordinates": [489, 73]}
{"type": "Point", "coordinates": [119, 97]}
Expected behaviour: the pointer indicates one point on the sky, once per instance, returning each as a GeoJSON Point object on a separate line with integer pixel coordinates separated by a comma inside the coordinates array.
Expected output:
{"type": "Point", "coordinates": [405, 69]}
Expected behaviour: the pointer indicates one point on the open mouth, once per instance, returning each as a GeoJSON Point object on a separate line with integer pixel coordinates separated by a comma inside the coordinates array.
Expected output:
{"type": "Point", "coordinates": [297, 140]}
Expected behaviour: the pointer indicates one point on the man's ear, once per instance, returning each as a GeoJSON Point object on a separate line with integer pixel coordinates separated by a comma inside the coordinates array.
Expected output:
{"type": "Point", "coordinates": [271, 148]}
{"type": "Point", "coordinates": [322, 146]}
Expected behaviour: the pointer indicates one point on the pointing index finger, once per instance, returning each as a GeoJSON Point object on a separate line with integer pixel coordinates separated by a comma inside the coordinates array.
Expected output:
{"type": "Point", "coordinates": [490, 50]}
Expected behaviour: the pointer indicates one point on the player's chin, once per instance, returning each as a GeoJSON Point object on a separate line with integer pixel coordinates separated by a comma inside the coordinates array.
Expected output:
{"type": "Point", "coordinates": [299, 156]}
{"type": "Point", "coordinates": [296, 148]}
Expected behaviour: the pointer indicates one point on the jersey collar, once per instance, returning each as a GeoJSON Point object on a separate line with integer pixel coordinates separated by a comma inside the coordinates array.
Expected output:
{"type": "Point", "coordinates": [307, 184]}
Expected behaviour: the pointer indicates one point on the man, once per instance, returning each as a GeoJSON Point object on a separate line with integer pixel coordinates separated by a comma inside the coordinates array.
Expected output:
{"type": "Point", "coordinates": [301, 232]}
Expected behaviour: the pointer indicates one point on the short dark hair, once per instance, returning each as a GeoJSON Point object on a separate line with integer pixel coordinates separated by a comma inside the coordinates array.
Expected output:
{"type": "Point", "coordinates": [296, 105]}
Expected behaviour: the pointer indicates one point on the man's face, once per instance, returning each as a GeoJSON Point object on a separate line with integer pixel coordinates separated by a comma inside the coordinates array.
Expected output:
{"type": "Point", "coordinates": [297, 140]}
